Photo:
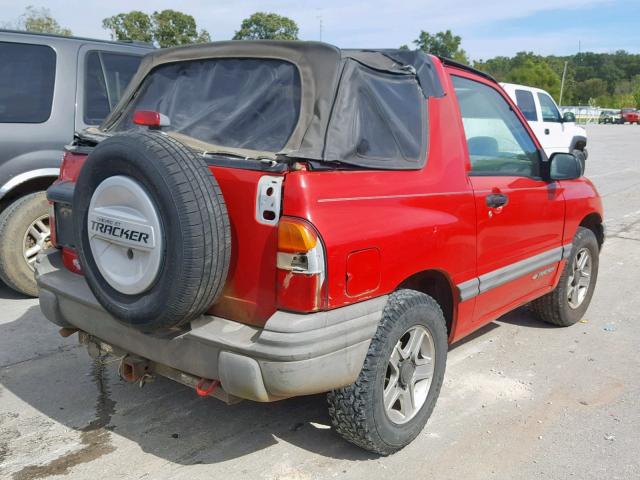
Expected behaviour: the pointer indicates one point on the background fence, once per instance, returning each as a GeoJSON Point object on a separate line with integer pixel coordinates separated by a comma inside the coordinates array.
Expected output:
{"type": "Point", "coordinates": [584, 115]}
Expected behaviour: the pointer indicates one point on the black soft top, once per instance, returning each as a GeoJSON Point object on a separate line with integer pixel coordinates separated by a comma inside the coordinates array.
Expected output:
{"type": "Point", "coordinates": [321, 68]}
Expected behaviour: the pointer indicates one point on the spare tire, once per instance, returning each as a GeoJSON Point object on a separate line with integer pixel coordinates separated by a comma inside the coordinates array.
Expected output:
{"type": "Point", "coordinates": [151, 230]}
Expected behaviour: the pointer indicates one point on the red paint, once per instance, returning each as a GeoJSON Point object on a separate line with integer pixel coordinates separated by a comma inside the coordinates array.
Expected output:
{"type": "Point", "coordinates": [379, 228]}
{"type": "Point", "coordinates": [250, 293]}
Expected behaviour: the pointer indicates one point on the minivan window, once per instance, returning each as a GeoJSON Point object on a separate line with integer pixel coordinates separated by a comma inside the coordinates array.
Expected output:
{"type": "Point", "coordinates": [27, 78]}
{"type": "Point", "coordinates": [498, 142]}
{"type": "Point", "coordinates": [548, 109]}
{"type": "Point", "coordinates": [106, 77]}
{"type": "Point", "coordinates": [247, 103]}
{"type": "Point", "coordinates": [524, 100]}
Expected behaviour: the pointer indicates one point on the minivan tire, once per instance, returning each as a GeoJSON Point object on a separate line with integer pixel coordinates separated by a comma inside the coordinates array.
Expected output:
{"type": "Point", "coordinates": [357, 411]}
{"type": "Point", "coordinates": [15, 222]}
{"type": "Point", "coordinates": [194, 226]}
{"type": "Point", "coordinates": [555, 307]}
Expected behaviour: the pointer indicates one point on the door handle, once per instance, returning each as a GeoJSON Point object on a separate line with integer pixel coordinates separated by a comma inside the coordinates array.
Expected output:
{"type": "Point", "coordinates": [546, 131]}
{"type": "Point", "coordinates": [496, 200]}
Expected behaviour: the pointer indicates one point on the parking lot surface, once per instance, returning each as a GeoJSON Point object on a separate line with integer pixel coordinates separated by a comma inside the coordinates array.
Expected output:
{"type": "Point", "coordinates": [521, 399]}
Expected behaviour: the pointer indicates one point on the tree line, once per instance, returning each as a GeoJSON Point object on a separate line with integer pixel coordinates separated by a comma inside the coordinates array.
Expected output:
{"type": "Point", "coordinates": [597, 79]}
{"type": "Point", "coordinates": [167, 28]}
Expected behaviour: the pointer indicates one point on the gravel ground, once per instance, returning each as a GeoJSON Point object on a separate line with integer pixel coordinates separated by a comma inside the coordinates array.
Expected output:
{"type": "Point", "coordinates": [521, 399]}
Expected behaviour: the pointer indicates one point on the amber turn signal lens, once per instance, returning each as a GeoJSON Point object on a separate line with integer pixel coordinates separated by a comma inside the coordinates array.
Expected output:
{"type": "Point", "coordinates": [295, 236]}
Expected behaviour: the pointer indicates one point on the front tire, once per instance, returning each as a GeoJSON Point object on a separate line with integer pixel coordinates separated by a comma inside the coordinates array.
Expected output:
{"type": "Point", "coordinates": [569, 301]}
{"type": "Point", "coordinates": [24, 230]}
{"type": "Point", "coordinates": [396, 391]}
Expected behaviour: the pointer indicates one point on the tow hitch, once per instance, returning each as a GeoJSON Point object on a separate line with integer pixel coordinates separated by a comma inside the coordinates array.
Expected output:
{"type": "Point", "coordinates": [135, 369]}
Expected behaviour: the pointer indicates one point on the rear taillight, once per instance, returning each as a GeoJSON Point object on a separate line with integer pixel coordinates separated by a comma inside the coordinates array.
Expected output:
{"type": "Point", "coordinates": [71, 166]}
{"type": "Point", "coordinates": [69, 171]}
{"type": "Point", "coordinates": [301, 266]}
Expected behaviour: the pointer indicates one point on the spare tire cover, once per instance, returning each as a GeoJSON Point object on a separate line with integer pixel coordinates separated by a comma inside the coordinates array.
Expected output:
{"type": "Point", "coordinates": [151, 229]}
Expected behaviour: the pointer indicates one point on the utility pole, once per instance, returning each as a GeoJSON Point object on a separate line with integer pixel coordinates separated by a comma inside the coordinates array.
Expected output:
{"type": "Point", "coordinates": [319, 17]}
{"type": "Point", "coordinates": [564, 74]}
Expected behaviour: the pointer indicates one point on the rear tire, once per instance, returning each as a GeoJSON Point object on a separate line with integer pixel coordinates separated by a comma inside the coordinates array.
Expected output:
{"type": "Point", "coordinates": [19, 239]}
{"type": "Point", "coordinates": [567, 304]}
{"type": "Point", "coordinates": [359, 412]}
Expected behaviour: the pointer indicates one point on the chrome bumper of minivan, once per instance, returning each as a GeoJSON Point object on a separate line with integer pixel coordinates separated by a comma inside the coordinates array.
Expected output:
{"type": "Point", "coordinates": [292, 355]}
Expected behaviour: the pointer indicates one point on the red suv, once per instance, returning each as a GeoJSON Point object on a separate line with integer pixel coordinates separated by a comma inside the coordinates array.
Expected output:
{"type": "Point", "coordinates": [261, 220]}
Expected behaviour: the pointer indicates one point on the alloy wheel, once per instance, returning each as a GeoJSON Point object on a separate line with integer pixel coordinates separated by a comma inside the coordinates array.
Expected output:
{"type": "Point", "coordinates": [36, 239]}
{"type": "Point", "coordinates": [409, 374]}
{"type": "Point", "coordinates": [579, 278]}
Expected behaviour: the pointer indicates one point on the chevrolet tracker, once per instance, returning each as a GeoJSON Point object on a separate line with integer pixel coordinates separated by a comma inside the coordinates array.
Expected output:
{"type": "Point", "coordinates": [262, 220]}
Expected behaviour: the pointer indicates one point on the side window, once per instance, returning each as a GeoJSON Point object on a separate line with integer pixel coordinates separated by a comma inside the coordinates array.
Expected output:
{"type": "Point", "coordinates": [524, 100]}
{"type": "Point", "coordinates": [498, 142]}
{"type": "Point", "coordinates": [106, 77]}
{"type": "Point", "coordinates": [548, 109]}
{"type": "Point", "coordinates": [379, 120]}
{"type": "Point", "coordinates": [27, 78]}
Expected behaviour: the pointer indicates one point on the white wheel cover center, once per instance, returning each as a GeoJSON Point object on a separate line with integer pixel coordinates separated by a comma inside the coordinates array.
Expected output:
{"type": "Point", "coordinates": [124, 234]}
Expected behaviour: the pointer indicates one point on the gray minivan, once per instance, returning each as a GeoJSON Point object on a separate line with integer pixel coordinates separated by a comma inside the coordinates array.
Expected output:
{"type": "Point", "coordinates": [50, 87]}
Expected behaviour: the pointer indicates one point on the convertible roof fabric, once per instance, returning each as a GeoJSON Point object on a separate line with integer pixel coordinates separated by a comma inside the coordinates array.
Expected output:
{"type": "Point", "coordinates": [321, 68]}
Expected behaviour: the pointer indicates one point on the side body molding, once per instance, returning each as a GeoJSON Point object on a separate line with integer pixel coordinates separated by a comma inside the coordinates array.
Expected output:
{"type": "Point", "coordinates": [490, 280]}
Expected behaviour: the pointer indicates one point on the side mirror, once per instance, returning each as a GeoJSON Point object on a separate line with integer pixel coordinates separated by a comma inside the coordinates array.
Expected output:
{"type": "Point", "coordinates": [569, 117]}
{"type": "Point", "coordinates": [565, 166]}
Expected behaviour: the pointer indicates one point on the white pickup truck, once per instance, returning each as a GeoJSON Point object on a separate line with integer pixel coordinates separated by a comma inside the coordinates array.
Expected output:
{"type": "Point", "coordinates": [557, 133]}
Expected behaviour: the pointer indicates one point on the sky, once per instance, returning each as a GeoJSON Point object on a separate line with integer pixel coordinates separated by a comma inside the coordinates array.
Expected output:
{"type": "Point", "coordinates": [488, 27]}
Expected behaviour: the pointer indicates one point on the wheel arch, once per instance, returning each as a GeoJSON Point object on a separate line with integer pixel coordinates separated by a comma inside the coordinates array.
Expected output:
{"type": "Point", "coordinates": [593, 222]}
{"type": "Point", "coordinates": [27, 182]}
{"type": "Point", "coordinates": [437, 285]}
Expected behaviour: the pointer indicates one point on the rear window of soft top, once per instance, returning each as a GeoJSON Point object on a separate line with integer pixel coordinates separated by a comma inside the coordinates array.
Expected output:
{"type": "Point", "coordinates": [244, 103]}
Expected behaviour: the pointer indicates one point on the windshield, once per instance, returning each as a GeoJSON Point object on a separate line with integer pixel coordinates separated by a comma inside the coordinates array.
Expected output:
{"type": "Point", "coordinates": [243, 103]}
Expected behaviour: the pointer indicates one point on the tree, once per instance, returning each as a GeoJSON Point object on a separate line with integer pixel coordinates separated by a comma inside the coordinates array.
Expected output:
{"type": "Point", "coordinates": [135, 25]}
{"type": "Point", "coordinates": [636, 96]}
{"type": "Point", "coordinates": [443, 44]}
{"type": "Point", "coordinates": [532, 70]}
{"type": "Point", "coordinates": [590, 89]}
{"type": "Point", "coordinates": [525, 68]}
{"type": "Point", "coordinates": [498, 67]}
{"type": "Point", "coordinates": [167, 28]}
{"type": "Point", "coordinates": [267, 26]}
{"type": "Point", "coordinates": [38, 20]}
{"type": "Point", "coordinates": [176, 28]}
{"type": "Point", "coordinates": [605, 79]}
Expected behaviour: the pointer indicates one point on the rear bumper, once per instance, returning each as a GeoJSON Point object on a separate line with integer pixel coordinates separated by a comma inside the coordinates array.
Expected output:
{"type": "Point", "coordinates": [292, 355]}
